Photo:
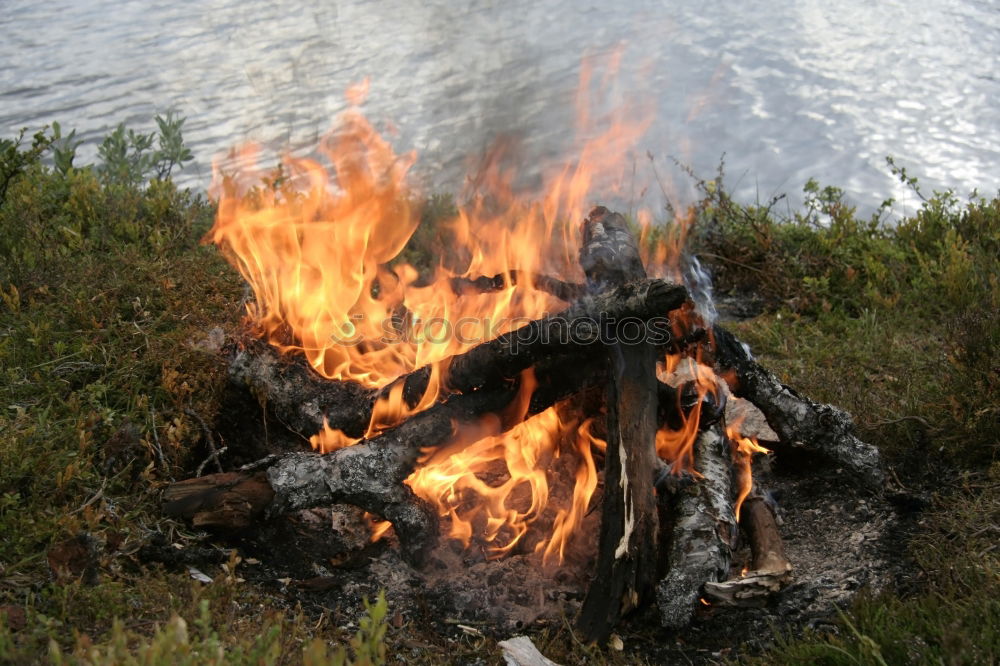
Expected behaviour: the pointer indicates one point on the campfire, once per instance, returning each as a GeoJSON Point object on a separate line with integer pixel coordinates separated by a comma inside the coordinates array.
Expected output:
{"type": "Point", "coordinates": [553, 389]}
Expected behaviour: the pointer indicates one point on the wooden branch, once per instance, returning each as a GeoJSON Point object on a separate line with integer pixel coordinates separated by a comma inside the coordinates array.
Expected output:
{"type": "Point", "coordinates": [580, 329]}
{"type": "Point", "coordinates": [799, 422]}
{"type": "Point", "coordinates": [227, 500]}
{"type": "Point", "coordinates": [296, 395]}
{"type": "Point", "coordinates": [626, 561]}
{"type": "Point", "coordinates": [761, 529]}
{"type": "Point", "coordinates": [368, 475]}
{"type": "Point", "coordinates": [702, 534]}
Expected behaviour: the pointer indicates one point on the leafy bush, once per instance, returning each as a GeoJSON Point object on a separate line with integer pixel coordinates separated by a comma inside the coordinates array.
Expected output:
{"type": "Point", "coordinates": [14, 161]}
{"type": "Point", "coordinates": [129, 157]}
{"type": "Point", "coordinates": [825, 257]}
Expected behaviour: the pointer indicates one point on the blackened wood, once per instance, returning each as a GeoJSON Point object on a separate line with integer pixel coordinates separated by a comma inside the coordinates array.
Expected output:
{"type": "Point", "coordinates": [368, 475]}
{"type": "Point", "coordinates": [627, 544]}
{"type": "Point", "coordinates": [565, 291]}
{"type": "Point", "coordinates": [302, 400]}
{"type": "Point", "coordinates": [581, 329]}
{"type": "Point", "coordinates": [703, 531]}
{"type": "Point", "coordinates": [295, 394]}
{"type": "Point", "coordinates": [798, 421]}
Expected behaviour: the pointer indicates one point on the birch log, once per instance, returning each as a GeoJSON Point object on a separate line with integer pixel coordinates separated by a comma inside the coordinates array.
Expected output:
{"type": "Point", "coordinates": [703, 532]}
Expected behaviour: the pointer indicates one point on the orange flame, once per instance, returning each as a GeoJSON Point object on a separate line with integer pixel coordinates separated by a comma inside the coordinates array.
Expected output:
{"type": "Point", "coordinates": [316, 243]}
{"type": "Point", "coordinates": [677, 446]}
{"type": "Point", "coordinates": [496, 487]}
{"type": "Point", "coordinates": [321, 241]}
{"type": "Point", "coordinates": [378, 526]}
{"type": "Point", "coordinates": [743, 450]}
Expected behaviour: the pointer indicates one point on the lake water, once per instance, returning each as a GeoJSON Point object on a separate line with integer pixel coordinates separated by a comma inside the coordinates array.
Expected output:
{"type": "Point", "coordinates": [788, 90]}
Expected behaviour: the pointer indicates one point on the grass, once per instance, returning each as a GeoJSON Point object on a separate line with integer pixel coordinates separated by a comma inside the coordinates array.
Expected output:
{"type": "Point", "coordinates": [108, 298]}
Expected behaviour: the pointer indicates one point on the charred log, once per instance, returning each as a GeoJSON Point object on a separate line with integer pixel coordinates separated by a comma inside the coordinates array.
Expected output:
{"type": "Point", "coordinates": [303, 401]}
{"type": "Point", "coordinates": [627, 545]}
{"type": "Point", "coordinates": [369, 474]}
{"type": "Point", "coordinates": [295, 394]}
{"type": "Point", "coordinates": [564, 291]}
{"type": "Point", "coordinates": [799, 422]}
{"type": "Point", "coordinates": [579, 329]}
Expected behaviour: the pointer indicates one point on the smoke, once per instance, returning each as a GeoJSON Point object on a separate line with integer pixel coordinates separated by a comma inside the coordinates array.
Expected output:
{"type": "Point", "coordinates": [698, 281]}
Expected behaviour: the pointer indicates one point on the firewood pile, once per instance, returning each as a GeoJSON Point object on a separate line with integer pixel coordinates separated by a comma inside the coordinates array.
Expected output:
{"type": "Point", "coordinates": [668, 527]}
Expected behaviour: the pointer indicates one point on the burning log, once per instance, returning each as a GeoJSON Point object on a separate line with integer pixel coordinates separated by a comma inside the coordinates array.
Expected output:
{"type": "Point", "coordinates": [304, 401]}
{"type": "Point", "coordinates": [703, 531]}
{"type": "Point", "coordinates": [297, 396]}
{"type": "Point", "coordinates": [369, 474]}
{"type": "Point", "coordinates": [798, 421]}
{"type": "Point", "coordinates": [564, 291]}
{"type": "Point", "coordinates": [626, 564]}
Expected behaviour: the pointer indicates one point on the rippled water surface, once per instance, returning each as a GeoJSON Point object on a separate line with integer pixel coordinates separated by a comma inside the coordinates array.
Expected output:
{"type": "Point", "coordinates": [787, 90]}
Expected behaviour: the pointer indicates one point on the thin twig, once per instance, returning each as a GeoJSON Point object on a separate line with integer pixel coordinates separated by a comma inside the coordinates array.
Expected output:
{"type": "Point", "coordinates": [156, 444]}
{"type": "Point", "coordinates": [96, 496]}
{"type": "Point", "coordinates": [213, 453]}
{"type": "Point", "coordinates": [264, 462]}
{"type": "Point", "coordinates": [919, 419]}
{"type": "Point", "coordinates": [214, 456]}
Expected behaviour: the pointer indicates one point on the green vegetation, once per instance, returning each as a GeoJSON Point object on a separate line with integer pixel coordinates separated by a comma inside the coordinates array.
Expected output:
{"type": "Point", "coordinates": [900, 324]}
{"type": "Point", "coordinates": [108, 299]}
{"type": "Point", "coordinates": [911, 309]}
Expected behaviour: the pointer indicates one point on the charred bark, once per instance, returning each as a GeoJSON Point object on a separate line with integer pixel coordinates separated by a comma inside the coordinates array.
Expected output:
{"type": "Point", "coordinates": [368, 475]}
{"type": "Point", "coordinates": [295, 394]}
{"type": "Point", "coordinates": [580, 330]}
{"type": "Point", "coordinates": [564, 291]}
{"type": "Point", "coordinates": [303, 401]}
{"type": "Point", "coordinates": [799, 422]}
{"type": "Point", "coordinates": [626, 561]}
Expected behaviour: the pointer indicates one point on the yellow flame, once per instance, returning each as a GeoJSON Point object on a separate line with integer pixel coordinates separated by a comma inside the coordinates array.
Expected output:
{"type": "Point", "coordinates": [320, 244]}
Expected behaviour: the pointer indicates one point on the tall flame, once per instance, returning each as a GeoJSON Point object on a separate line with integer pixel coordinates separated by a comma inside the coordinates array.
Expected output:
{"type": "Point", "coordinates": [320, 241]}
{"type": "Point", "coordinates": [320, 246]}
